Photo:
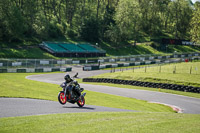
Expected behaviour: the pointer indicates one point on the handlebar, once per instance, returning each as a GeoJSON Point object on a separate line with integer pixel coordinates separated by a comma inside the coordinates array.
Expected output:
{"type": "Point", "coordinates": [75, 76]}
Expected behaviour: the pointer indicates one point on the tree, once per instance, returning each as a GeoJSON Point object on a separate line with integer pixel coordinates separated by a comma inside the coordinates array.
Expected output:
{"type": "Point", "coordinates": [90, 30]}
{"type": "Point", "coordinates": [127, 18]}
{"type": "Point", "coordinates": [181, 12]}
{"type": "Point", "coordinates": [195, 23]}
{"type": "Point", "coordinates": [92, 20]}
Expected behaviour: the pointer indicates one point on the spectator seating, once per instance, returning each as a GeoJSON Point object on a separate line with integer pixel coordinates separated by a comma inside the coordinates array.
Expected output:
{"type": "Point", "coordinates": [72, 50]}
{"type": "Point", "coordinates": [88, 48]}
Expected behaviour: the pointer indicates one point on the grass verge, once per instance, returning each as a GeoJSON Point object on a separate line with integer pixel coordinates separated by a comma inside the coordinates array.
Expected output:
{"type": "Point", "coordinates": [182, 76]}
{"type": "Point", "coordinates": [104, 122]}
{"type": "Point", "coordinates": [184, 73]}
{"type": "Point", "coordinates": [154, 118]}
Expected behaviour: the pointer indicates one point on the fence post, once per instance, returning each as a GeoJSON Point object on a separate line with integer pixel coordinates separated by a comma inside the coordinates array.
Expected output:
{"type": "Point", "coordinates": [7, 64]}
{"type": "Point", "coordinates": [191, 70]}
{"type": "Point", "coordinates": [160, 69]}
{"type": "Point", "coordinates": [196, 70]}
{"type": "Point", "coordinates": [174, 70]}
{"type": "Point", "coordinates": [35, 63]}
{"type": "Point", "coordinates": [26, 63]}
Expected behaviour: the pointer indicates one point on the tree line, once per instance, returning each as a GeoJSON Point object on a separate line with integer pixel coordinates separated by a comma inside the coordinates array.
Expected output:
{"type": "Point", "coordinates": [94, 20]}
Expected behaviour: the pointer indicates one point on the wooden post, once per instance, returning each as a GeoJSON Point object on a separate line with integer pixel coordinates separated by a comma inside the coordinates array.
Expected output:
{"type": "Point", "coordinates": [160, 69]}
{"type": "Point", "coordinates": [174, 70]}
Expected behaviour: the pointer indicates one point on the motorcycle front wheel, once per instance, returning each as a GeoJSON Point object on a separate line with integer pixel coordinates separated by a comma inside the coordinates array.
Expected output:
{"type": "Point", "coordinates": [62, 98]}
{"type": "Point", "coordinates": [81, 102]}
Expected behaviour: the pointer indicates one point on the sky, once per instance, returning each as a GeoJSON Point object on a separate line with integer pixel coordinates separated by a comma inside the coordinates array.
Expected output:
{"type": "Point", "coordinates": [195, 1]}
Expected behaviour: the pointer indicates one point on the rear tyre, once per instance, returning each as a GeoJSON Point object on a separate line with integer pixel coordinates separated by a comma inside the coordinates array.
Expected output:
{"type": "Point", "coordinates": [81, 102]}
{"type": "Point", "coordinates": [62, 98]}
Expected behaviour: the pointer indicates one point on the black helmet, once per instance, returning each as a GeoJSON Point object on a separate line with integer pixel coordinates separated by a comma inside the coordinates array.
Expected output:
{"type": "Point", "coordinates": [67, 78]}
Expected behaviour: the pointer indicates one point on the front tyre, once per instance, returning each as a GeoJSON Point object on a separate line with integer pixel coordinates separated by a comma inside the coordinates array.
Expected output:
{"type": "Point", "coordinates": [81, 102]}
{"type": "Point", "coordinates": [62, 98]}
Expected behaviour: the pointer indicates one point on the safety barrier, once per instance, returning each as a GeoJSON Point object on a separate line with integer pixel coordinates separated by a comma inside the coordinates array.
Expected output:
{"type": "Point", "coordinates": [147, 62]}
{"type": "Point", "coordinates": [35, 70]}
{"type": "Point", "coordinates": [145, 84]}
{"type": "Point", "coordinates": [42, 63]}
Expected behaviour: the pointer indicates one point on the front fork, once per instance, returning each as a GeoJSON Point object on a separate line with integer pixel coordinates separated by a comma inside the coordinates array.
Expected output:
{"type": "Point", "coordinates": [65, 92]}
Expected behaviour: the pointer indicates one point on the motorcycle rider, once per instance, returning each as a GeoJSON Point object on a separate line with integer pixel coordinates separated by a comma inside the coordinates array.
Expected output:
{"type": "Point", "coordinates": [74, 87]}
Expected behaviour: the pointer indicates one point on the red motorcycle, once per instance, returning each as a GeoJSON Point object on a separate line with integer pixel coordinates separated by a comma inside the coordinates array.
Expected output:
{"type": "Point", "coordinates": [72, 93]}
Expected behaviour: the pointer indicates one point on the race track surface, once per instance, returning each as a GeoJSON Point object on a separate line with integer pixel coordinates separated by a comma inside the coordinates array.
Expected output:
{"type": "Point", "coordinates": [183, 103]}
{"type": "Point", "coordinates": [12, 107]}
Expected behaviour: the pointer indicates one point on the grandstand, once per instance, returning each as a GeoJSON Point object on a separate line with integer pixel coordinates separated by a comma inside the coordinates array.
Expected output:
{"type": "Point", "coordinates": [72, 50]}
{"type": "Point", "coordinates": [88, 48]}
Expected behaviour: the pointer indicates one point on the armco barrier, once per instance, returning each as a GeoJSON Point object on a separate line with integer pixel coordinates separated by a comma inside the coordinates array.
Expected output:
{"type": "Point", "coordinates": [55, 69]}
{"type": "Point", "coordinates": [33, 70]}
{"type": "Point", "coordinates": [69, 69]}
{"type": "Point", "coordinates": [3, 70]}
{"type": "Point", "coordinates": [21, 70]}
{"type": "Point", "coordinates": [39, 70]}
{"type": "Point", "coordinates": [145, 84]}
{"type": "Point", "coordinates": [148, 62]}
{"type": "Point", "coordinates": [51, 63]}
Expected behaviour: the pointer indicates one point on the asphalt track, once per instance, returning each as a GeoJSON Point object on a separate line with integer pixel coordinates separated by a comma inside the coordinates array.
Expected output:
{"type": "Point", "coordinates": [11, 107]}
{"type": "Point", "coordinates": [184, 104]}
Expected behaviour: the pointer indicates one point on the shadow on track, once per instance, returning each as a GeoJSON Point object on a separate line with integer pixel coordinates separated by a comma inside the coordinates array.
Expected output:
{"type": "Point", "coordinates": [85, 108]}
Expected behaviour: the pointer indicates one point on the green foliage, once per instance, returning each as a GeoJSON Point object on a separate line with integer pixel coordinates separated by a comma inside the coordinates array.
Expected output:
{"type": "Point", "coordinates": [90, 30]}
{"type": "Point", "coordinates": [116, 21]}
{"type": "Point", "coordinates": [195, 23]}
{"type": "Point", "coordinates": [127, 19]}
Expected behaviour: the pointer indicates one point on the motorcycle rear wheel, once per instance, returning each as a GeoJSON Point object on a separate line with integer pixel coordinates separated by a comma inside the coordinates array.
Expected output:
{"type": "Point", "coordinates": [81, 102]}
{"type": "Point", "coordinates": [61, 98]}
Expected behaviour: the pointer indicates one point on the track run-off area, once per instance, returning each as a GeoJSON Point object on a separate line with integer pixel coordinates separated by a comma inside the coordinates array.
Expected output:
{"type": "Point", "coordinates": [11, 107]}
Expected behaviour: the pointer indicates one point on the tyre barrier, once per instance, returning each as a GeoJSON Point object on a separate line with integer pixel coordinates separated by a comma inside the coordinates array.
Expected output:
{"type": "Point", "coordinates": [145, 84]}
{"type": "Point", "coordinates": [35, 70]}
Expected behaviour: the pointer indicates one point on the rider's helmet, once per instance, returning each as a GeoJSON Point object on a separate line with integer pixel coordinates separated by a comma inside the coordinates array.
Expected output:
{"type": "Point", "coordinates": [67, 78]}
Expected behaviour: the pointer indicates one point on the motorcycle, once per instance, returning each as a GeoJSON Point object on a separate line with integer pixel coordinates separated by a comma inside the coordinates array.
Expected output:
{"type": "Point", "coordinates": [72, 93]}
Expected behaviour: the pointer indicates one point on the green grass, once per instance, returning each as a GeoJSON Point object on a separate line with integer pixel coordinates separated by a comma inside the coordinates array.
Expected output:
{"type": "Point", "coordinates": [15, 85]}
{"type": "Point", "coordinates": [182, 76]}
{"type": "Point", "coordinates": [153, 118]}
{"type": "Point", "coordinates": [31, 53]}
{"type": "Point", "coordinates": [104, 122]}
{"type": "Point", "coordinates": [144, 48]}
{"type": "Point", "coordinates": [152, 74]}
